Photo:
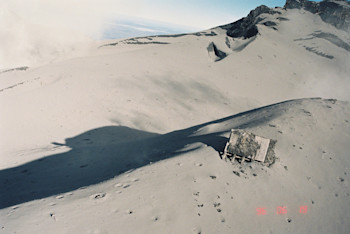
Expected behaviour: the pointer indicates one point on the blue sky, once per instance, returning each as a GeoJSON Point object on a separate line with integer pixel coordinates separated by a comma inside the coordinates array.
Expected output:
{"type": "Point", "coordinates": [32, 29]}
{"type": "Point", "coordinates": [89, 15]}
{"type": "Point", "coordinates": [180, 16]}
{"type": "Point", "coordinates": [195, 13]}
{"type": "Point", "coordinates": [93, 17]}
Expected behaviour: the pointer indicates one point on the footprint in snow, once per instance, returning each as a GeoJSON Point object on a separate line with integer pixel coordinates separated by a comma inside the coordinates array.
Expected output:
{"type": "Point", "coordinates": [196, 194]}
{"type": "Point", "coordinates": [98, 196]}
{"type": "Point", "coordinates": [129, 171]}
{"type": "Point", "coordinates": [60, 197]}
{"type": "Point", "coordinates": [236, 173]}
{"type": "Point", "coordinates": [64, 195]}
{"type": "Point", "coordinates": [13, 209]}
{"type": "Point", "coordinates": [341, 179]}
{"type": "Point", "coordinates": [52, 215]}
{"type": "Point", "coordinates": [196, 230]}
{"type": "Point", "coordinates": [120, 185]}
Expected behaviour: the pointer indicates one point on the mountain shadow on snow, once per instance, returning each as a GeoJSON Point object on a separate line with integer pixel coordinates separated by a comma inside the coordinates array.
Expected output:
{"type": "Point", "coordinates": [101, 154]}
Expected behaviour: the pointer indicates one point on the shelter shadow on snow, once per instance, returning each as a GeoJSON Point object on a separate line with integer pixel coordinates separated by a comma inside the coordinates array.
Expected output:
{"type": "Point", "coordinates": [101, 154]}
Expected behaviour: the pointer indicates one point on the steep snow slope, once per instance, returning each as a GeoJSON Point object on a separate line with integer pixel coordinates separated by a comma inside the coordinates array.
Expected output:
{"type": "Point", "coordinates": [196, 190]}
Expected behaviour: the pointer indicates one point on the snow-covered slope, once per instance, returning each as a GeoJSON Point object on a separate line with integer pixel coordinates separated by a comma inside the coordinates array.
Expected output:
{"type": "Point", "coordinates": [69, 131]}
{"type": "Point", "coordinates": [193, 190]}
{"type": "Point", "coordinates": [163, 87]}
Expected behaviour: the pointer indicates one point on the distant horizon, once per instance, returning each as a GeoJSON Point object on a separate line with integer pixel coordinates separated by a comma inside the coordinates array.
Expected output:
{"type": "Point", "coordinates": [33, 29]}
{"type": "Point", "coordinates": [126, 27]}
{"type": "Point", "coordinates": [204, 15]}
{"type": "Point", "coordinates": [92, 18]}
{"type": "Point", "coordinates": [199, 15]}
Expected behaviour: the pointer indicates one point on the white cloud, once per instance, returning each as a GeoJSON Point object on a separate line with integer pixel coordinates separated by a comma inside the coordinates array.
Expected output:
{"type": "Point", "coordinates": [33, 32]}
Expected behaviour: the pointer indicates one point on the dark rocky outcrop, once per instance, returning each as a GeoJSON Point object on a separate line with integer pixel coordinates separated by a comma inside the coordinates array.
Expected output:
{"type": "Point", "coordinates": [215, 53]}
{"type": "Point", "coordinates": [334, 12]}
{"type": "Point", "coordinates": [246, 27]}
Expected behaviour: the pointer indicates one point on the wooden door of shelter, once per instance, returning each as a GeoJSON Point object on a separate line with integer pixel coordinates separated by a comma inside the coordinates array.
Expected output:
{"type": "Point", "coordinates": [246, 146]}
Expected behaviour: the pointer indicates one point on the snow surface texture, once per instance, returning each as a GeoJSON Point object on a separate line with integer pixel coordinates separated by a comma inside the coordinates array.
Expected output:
{"type": "Point", "coordinates": [110, 142]}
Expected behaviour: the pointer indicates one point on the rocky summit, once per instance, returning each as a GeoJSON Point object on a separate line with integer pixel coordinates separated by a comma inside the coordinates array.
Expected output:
{"type": "Point", "coordinates": [336, 13]}
{"type": "Point", "coordinates": [246, 27]}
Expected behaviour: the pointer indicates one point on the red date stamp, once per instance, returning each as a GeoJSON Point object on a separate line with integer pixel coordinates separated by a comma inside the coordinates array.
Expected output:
{"type": "Point", "coordinates": [261, 211]}
{"type": "Point", "coordinates": [280, 210]}
{"type": "Point", "coordinates": [303, 209]}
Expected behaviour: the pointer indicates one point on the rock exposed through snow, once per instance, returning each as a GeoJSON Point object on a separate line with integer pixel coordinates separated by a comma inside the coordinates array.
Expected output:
{"type": "Point", "coordinates": [334, 12]}
{"type": "Point", "coordinates": [215, 53]}
{"type": "Point", "coordinates": [246, 27]}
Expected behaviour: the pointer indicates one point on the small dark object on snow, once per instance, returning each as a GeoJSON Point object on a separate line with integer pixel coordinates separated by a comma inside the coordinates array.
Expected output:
{"type": "Point", "coordinates": [236, 173]}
